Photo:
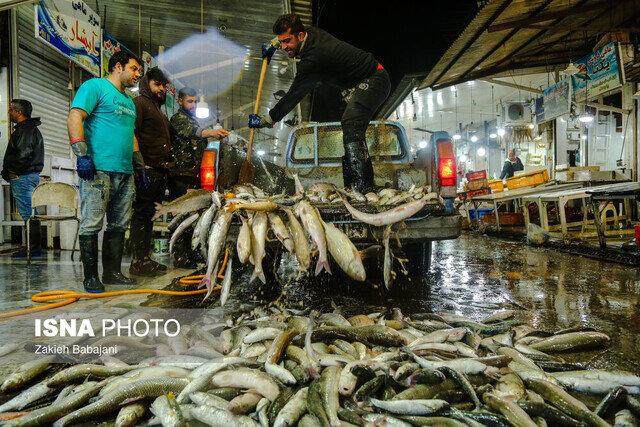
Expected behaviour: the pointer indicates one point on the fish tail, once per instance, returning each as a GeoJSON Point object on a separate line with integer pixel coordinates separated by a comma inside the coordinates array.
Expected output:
{"type": "Point", "coordinates": [206, 281]}
{"type": "Point", "coordinates": [258, 273]}
{"type": "Point", "coordinates": [322, 264]}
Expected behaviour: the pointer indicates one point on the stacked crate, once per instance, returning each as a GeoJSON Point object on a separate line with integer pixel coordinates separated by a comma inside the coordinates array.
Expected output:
{"type": "Point", "coordinates": [476, 185]}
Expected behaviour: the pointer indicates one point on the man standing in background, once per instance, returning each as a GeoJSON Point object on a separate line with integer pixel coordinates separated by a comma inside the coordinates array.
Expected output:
{"type": "Point", "coordinates": [21, 167]}
{"type": "Point", "coordinates": [188, 142]}
{"type": "Point", "coordinates": [101, 124]}
{"type": "Point", "coordinates": [154, 139]}
{"type": "Point", "coordinates": [512, 165]}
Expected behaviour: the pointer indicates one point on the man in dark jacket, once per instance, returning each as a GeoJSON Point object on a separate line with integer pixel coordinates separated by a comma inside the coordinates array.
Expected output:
{"type": "Point", "coordinates": [188, 141]}
{"type": "Point", "coordinates": [512, 165]}
{"type": "Point", "coordinates": [154, 140]}
{"type": "Point", "coordinates": [23, 162]}
{"type": "Point", "coordinates": [323, 59]}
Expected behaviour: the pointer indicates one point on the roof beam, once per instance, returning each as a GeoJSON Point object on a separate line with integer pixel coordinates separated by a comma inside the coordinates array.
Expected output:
{"type": "Point", "coordinates": [471, 40]}
{"type": "Point", "coordinates": [512, 85]}
{"type": "Point", "coordinates": [548, 16]}
{"type": "Point", "coordinates": [506, 38]}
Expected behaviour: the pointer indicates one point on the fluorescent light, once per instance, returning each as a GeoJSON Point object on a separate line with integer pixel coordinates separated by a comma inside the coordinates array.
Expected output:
{"type": "Point", "coordinates": [422, 144]}
{"type": "Point", "coordinates": [260, 152]}
{"type": "Point", "coordinates": [586, 118]}
{"type": "Point", "coordinates": [202, 108]}
{"type": "Point", "coordinates": [493, 135]}
{"type": "Point", "coordinates": [481, 151]}
{"type": "Point", "coordinates": [456, 136]}
{"type": "Point", "coordinates": [501, 132]}
{"type": "Point", "coordinates": [463, 158]}
{"type": "Point", "coordinates": [474, 138]}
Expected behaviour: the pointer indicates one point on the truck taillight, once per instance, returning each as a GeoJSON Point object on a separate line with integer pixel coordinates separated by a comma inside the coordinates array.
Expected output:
{"type": "Point", "coordinates": [446, 164]}
{"type": "Point", "coordinates": [208, 170]}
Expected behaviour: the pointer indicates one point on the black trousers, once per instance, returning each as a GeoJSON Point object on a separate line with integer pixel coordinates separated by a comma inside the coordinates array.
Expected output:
{"type": "Point", "coordinates": [364, 102]}
{"type": "Point", "coordinates": [144, 206]}
{"type": "Point", "coordinates": [183, 256]}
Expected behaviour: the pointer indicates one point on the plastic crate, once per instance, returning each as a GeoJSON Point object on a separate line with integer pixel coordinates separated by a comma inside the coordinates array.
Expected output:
{"type": "Point", "coordinates": [471, 194]}
{"type": "Point", "coordinates": [506, 218]}
{"type": "Point", "coordinates": [476, 185]}
{"type": "Point", "coordinates": [496, 185]}
{"type": "Point", "coordinates": [528, 179]}
{"type": "Point", "coordinates": [479, 213]}
{"type": "Point", "coordinates": [474, 176]}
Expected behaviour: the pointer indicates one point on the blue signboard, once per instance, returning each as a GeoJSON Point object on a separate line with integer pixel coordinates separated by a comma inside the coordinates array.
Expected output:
{"type": "Point", "coordinates": [71, 28]}
{"type": "Point", "coordinates": [604, 69]}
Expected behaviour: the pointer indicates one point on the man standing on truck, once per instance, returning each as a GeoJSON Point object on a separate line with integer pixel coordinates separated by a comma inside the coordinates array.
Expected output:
{"type": "Point", "coordinates": [322, 59]}
{"type": "Point", "coordinates": [188, 141]}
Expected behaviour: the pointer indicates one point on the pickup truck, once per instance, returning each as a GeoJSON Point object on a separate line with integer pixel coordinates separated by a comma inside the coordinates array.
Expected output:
{"type": "Point", "coordinates": [314, 152]}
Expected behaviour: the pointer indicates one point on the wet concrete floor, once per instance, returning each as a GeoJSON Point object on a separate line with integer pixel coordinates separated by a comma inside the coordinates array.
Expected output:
{"type": "Point", "coordinates": [473, 276]}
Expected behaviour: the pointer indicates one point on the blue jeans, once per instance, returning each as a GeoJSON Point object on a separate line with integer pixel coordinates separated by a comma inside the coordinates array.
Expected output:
{"type": "Point", "coordinates": [109, 193]}
{"type": "Point", "coordinates": [22, 188]}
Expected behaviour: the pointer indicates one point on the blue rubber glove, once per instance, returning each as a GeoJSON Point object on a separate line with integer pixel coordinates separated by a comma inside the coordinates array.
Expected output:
{"type": "Point", "coordinates": [257, 122]}
{"type": "Point", "coordinates": [268, 51]}
{"type": "Point", "coordinates": [85, 168]}
{"type": "Point", "coordinates": [142, 179]}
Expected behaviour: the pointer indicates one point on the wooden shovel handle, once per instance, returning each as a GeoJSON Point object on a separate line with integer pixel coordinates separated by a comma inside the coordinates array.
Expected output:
{"type": "Point", "coordinates": [256, 107]}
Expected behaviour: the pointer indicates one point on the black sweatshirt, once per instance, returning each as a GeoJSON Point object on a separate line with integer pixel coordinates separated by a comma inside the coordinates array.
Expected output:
{"type": "Point", "coordinates": [324, 59]}
{"type": "Point", "coordinates": [25, 152]}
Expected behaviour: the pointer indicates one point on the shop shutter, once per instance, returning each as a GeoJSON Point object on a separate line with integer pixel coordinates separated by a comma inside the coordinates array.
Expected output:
{"type": "Point", "coordinates": [43, 76]}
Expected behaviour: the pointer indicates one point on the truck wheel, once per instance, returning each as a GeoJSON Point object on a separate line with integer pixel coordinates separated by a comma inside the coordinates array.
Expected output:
{"type": "Point", "coordinates": [419, 255]}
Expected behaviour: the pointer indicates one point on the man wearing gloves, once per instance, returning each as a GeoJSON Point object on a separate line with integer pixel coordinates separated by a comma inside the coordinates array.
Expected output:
{"type": "Point", "coordinates": [22, 164]}
{"type": "Point", "coordinates": [325, 59]}
{"type": "Point", "coordinates": [100, 125]}
{"type": "Point", "coordinates": [154, 139]}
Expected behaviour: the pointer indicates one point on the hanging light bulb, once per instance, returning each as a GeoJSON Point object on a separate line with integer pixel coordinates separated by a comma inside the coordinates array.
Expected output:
{"type": "Point", "coordinates": [422, 144]}
{"type": "Point", "coordinates": [456, 136]}
{"type": "Point", "coordinates": [202, 109]}
{"type": "Point", "coordinates": [530, 126]}
{"type": "Point", "coordinates": [501, 132]}
{"type": "Point", "coordinates": [586, 117]}
{"type": "Point", "coordinates": [463, 158]}
{"type": "Point", "coordinates": [493, 135]}
{"type": "Point", "coordinates": [260, 152]}
{"type": "Point", "coordinates": [481, 152]}
{"type": "Point", "coordinates": [474, 138]}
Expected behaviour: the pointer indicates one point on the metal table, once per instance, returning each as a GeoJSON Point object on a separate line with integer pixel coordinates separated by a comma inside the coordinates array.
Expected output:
{"type": "Point", "coordinates": [514, 195]}
{"type": "Point", "coordinates": [625, 191]}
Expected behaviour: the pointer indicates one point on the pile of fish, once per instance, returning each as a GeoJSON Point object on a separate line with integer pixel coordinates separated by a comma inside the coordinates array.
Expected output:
{"type": "Point", "coordinates": [210, 215]}
{"type": "Point", "coordinates": [289, 367]}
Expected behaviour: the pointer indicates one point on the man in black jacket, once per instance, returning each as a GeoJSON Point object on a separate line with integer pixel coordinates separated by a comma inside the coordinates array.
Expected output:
{"type": "Point", "coordinates": [325, 59]}
{"type": "Point", "coordinates": [23, 162]}
{"type": "Point", "coordinates": [512, 165]}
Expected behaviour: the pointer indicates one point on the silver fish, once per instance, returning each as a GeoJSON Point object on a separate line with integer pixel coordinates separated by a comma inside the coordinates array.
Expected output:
{"type": "Point", "coordinates": [313, 224]}
{"type": "Point", "coordinates": [217, 238]}
{"type": "Point", "coordinates": [190, 202]}
{"type": "Point", "coordinates": [226, 282]}
{"type": "Point", "coordinates": [259, 237]}
{"type": "Point", "coordinates": [391, 216]}
{"type": "Point", "coordinates": [244, 241]}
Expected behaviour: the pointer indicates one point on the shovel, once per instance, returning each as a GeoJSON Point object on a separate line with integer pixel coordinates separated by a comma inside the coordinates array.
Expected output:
{"type": "Point", "coordinates": [247, 171]}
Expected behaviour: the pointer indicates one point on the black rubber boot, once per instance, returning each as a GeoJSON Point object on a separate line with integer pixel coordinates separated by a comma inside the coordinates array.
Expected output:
{"type": "Point", "coordinates": [347, 179]}
{"type": "Point", "coordinates": [358, 167]}
{"type": "Point", "coordinates": [89, 257]}
{"type": "Point", "coordinates": [141, 264]}
{"type": "Point", "coordinates": [112, 248]}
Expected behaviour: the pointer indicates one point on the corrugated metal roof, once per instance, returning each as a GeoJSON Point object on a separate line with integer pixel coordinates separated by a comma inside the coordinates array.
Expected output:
{"type": "Point", "coordinates": [519, 34]}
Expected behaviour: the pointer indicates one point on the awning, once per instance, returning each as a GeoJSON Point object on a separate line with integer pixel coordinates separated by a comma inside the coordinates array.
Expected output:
{"type": "Point", "coordinates": [530, 37]}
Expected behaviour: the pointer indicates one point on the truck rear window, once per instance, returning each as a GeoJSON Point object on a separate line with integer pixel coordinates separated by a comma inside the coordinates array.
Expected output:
{"type": "Point", "coordinates": [382, 141]}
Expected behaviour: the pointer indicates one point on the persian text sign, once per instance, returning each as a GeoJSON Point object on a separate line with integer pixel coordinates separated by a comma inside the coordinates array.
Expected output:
{"type": "Point", "coordinates": [71, 28]}
{"type": "Point", "coordinates": [604, 70]}
{"type": "Point", "coordinates": [110, 46]}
